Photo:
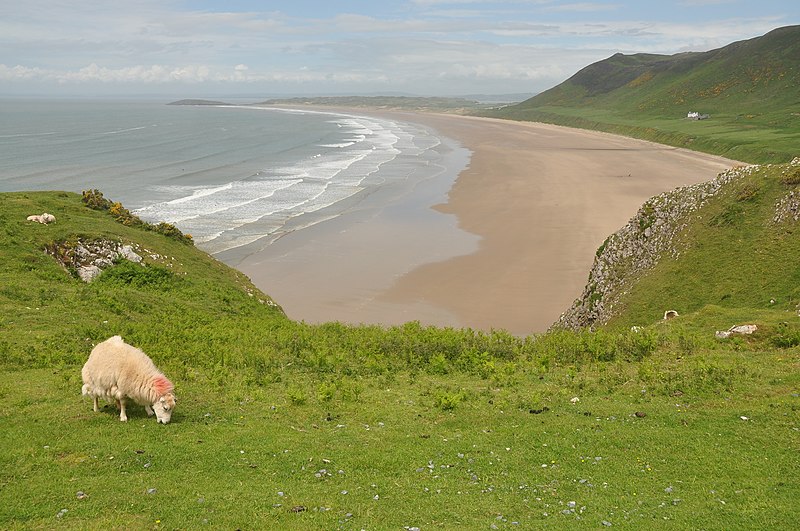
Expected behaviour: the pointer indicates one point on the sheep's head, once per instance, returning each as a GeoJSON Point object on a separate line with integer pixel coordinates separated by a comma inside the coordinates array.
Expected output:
{"type": "Point", "coordinates": [163, 407]}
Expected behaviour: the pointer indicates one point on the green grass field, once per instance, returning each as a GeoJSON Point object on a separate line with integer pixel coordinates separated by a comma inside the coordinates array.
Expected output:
{"type": "Point", "coordinates": [283, 425]}
{"type": "Point", "coordinates": [751, 139]}
{"type": "Point", "coordinates": [688, 438]}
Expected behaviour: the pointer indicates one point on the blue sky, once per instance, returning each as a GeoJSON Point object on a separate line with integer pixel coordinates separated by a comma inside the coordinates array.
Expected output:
{"type": "Point", "coordinates": [196, 48]}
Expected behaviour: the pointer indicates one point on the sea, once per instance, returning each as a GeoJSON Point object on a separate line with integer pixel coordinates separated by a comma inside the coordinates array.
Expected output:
{"type": "Point", "coordinates": [230, 175]}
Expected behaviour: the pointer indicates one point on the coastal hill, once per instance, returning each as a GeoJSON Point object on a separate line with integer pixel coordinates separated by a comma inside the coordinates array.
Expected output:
{"type": "Point", "coordinates": [397, 103]}
{"type": "Point", "coordinates": [728, 243]}
{"type": "Point", "coordinates": [197, 102]}
{"type": "Point", "coordinates": [746, 97]}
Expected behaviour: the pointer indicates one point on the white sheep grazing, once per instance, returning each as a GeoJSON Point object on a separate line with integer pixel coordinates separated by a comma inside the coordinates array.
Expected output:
{"type": "Point", "coordinates": [117, 371]}
{"type": "Point", "coordinates": [42, 218]}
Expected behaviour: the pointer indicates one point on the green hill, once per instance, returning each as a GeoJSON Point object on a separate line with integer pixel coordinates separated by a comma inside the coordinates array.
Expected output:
{"type": "Point", "coordinates": [749, 89]}
{"type": "Point", "coordinates": [49, 315]}
{"type": "Point", "coordinates": [732, 243]}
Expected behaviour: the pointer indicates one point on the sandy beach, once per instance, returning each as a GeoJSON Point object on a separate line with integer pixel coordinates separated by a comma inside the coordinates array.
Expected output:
{"type": "Point", "coordinates": [508, 246]}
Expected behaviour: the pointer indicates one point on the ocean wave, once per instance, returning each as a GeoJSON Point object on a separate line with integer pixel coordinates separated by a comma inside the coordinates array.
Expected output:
{"type": "Point", "coordinates": [214, 201]}
{"type": "Point", "coordinates": [128, 130]}
{"type": "Point", "coordinates": [297, 184]}
{"type": "Point", "coordinates": [24, 135]}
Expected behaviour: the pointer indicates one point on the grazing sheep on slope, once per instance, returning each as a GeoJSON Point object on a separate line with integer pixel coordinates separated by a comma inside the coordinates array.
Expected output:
{"type": "Point", "coordinates": [42, 218]}
{"type": "Point", "coordinates": [116, 371]}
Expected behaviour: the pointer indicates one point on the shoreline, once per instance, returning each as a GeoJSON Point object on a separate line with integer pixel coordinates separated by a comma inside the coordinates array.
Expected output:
{"type": "Point", "coordinates": [527, 214]}
{"type": "Point", "coordinates": [337, 269]}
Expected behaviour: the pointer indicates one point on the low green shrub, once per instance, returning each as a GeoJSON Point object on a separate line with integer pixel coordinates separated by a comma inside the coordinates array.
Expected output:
{"type": "Point", "coordinates": [128, 273]}
{"type": "Point", "coordinates": [94, 199]}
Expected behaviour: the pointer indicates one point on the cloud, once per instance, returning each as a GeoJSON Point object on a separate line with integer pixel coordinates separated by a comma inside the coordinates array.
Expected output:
{"type": "Point", "coordinates": [584, 7]}
{"type": "Point", "coordinates": [95, 73]}
{"type": "Point", "coordinates": [20, 73]}
{"type": "Point", "coordinates": [516, 45]}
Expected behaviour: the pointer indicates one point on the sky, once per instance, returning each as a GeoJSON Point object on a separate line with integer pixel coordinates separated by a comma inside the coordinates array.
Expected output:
{"type": "Point", "coordinates": [207, 48]}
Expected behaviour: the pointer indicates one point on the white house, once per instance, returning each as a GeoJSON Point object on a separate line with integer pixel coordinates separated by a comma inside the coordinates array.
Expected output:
{"type": "Point", "coordinates": [694, 115]}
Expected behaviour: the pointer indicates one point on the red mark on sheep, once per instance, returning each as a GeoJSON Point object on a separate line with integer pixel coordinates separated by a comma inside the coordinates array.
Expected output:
{"type": "Point", "coordinates": [162, 385]}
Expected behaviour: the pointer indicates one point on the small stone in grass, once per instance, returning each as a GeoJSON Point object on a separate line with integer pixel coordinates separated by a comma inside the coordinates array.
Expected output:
{"type": "Point", "coordinates": [606, 523]}
{"type": "Point", "coordinates": [61, 513]}
{"type": "Point", "coordinates": [151, 491]}
{"type": "Point", "coordinates": [640, 414]}
{"type": "Point", "coordinates": [298, 508]}
{"type": "Point", "coordinates": [81, 495]}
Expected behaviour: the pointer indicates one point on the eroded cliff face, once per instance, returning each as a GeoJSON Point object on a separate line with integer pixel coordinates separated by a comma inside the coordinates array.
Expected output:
{"type": "Point", "coordinates": [650, 236]}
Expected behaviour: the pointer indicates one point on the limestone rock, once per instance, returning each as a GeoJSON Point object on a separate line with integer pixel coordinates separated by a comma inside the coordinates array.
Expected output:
{"type": "Point", "coordinates": [89, 272]}
{"type": "Point", "coordinates": [746, 329]}
{"type": "Point", "coordinates": [89, 258]}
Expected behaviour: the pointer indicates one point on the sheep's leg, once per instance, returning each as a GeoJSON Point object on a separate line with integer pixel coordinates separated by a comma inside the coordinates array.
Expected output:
{"type": "Point", "coordinates": [94, 404]}
{"type": "Point", "coordinates": [122, 416]}
{"type": "Point", "coordinates": [149, 410]}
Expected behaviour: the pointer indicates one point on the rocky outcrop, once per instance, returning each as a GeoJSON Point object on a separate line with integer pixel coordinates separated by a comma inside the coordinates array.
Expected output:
{"type": "Point", "coordinates": [743, 330]}
{"type": "Point", "coordinates": [646, 239]}
{"type": "Point", "coordinates": [87, 259]}
{"type": "Point", "coordinates": [787, 208]}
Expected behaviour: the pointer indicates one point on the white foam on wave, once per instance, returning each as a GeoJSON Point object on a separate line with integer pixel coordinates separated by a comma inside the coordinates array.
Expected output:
{"type": "Point", "coordinates": [128, 130]}
{"type": "Point", "coordinates": [342, 145]}
{"type": "Point", "coordinates": [23, 135]}
{"type": "Point", "coordinates": [241, 212]}
{"type": "Point", "coordinates": [212, 202]}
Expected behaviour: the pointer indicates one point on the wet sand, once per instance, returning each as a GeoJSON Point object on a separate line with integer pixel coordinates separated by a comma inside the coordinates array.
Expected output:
{"type": "Point", "coordinates": [509, 246]}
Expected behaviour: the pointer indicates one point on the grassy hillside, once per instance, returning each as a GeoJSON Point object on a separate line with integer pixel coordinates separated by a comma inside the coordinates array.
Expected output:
{"type": "Point", "coordinates": [733, 253]}
{"type": "Point", "coordinates": [731, 243]}
{"type": "Point", "coordinates": [750, 89]}
{"type": "Point", "coordinates": [284, 425]}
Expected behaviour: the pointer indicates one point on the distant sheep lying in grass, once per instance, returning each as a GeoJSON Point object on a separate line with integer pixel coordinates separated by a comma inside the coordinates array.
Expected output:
{"type": "Point", "coordinates": [42, 218]}
{"type": "Point", "coordinates": [118, 371]}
